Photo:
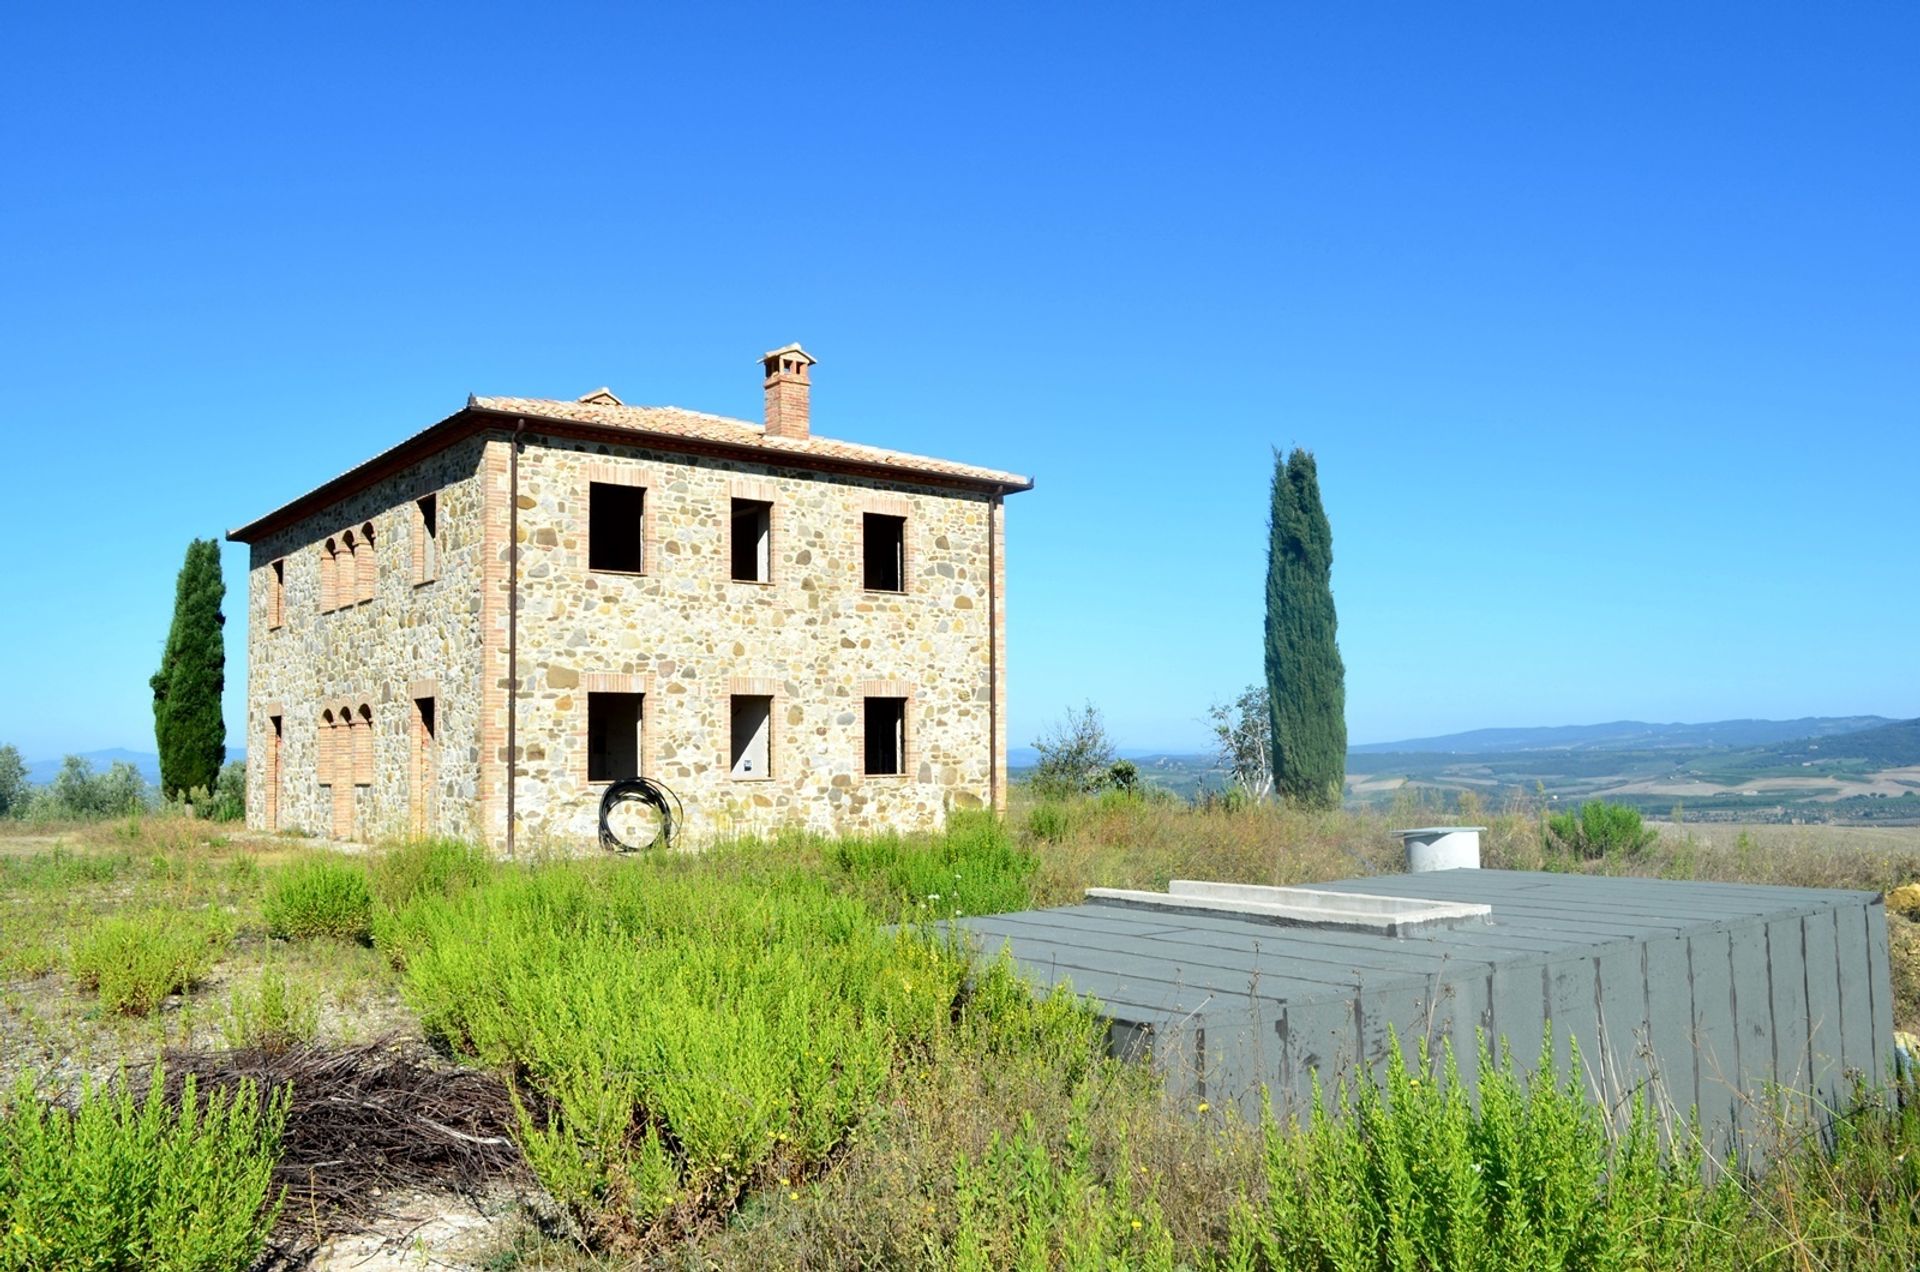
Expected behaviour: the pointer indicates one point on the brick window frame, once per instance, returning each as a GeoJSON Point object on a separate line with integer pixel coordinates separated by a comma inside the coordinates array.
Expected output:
{"type": "Point", "coordinates": [608, 473]}
{"type": "Point", "coordinates": [276, 593]}
{"type": "Point", "coordinates": [909, 751]}
{"type": "Point", "coordinates": [613, 682]}
{"type": "Point", "coordinates": [751, 687]}
{"type": "Point", "coordinates": [760, 491]}
{"type": "Point", "coordinates": [887, 506]}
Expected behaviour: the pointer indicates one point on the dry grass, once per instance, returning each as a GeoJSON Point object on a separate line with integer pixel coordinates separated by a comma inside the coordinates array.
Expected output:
{"type": "Point", "coordinates": [60, 883]}
{"type": "Point", "coordinates": [1127, 842]}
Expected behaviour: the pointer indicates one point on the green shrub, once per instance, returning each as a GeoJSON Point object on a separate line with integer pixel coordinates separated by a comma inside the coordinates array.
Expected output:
{"type": "Point", "coordinates": [228, 801]}
{"type": "Point", "coordinates": [680, 1030]}
{"type": "Point", "coordinates": [126, 1183]}
{"type": "Point", "coordinates": [1600, 830]}
{"type": "Point", "coordinates": [135, 960]}
{"type": "Point", "coordinates": [272, 1015]}
{"type": "Point", "coordinates": [1018, 1205]}
{"type": "Point", "coordinates": [78, 792]}
{"type": "Point", "coordinates": [428, 867]}
{"type": "Point", "coordinates": [1413, 1176]}
{"type": "Point", "coordinates": [1050, 820]}
{"type": "Point", "coordinates": [320, 898]}
{"type": "Point", "coordinates": [974, 868]}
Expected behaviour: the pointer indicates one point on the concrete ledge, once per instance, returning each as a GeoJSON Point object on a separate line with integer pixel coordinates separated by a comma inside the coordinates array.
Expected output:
{"type": "Point", "coordinates": [1299, 907]}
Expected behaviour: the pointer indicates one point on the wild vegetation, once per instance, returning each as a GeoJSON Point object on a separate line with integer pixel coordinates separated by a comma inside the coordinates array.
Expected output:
{"type": "Point", "coordinates": [767, 1054]}
{"type": "Point", "coordinates": [80, 792]}
{"type": "Point", "coordinates": [115, 1181]}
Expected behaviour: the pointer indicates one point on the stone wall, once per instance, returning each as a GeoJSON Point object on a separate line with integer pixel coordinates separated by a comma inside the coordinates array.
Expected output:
{"type": "Point", "coordinates": [687, 635]}
{"type": "Point", "coordinates": [409, 640]}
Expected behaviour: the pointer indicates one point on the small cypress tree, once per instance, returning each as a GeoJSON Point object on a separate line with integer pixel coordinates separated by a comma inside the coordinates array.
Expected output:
{"type": "Point", "coordinates": [187, 724]}
{"type": "Point", "coordinates": [1306, 681]}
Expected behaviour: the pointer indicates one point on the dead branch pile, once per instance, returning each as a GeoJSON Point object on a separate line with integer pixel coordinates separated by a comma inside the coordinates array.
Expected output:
{"type": "Point", "coordinates": [365, 1120]}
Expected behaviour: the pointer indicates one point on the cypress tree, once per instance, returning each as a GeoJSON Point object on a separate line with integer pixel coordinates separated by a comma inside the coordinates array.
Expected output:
{"type": "Point", "coordinates": [1306, 681]}
{"type": "Point", "coordinates": [187, 725]}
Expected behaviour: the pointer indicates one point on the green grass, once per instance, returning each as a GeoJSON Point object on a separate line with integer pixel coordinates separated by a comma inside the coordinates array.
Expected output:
{"type": "Point", "coordinates": [134, 961]}
{"type": "Point", "coordinates": [272, 1014]}
{"type": "Point", "coordinates": [126, 1183]}
{"type": "Point", "coordinates": [428, 867]}
{"type": "Point", "coordinates": [974, 868]}
{"type": "Point", "coordinates": [60, 868]}
{"type": "Point", "coordinates": [319, 898]}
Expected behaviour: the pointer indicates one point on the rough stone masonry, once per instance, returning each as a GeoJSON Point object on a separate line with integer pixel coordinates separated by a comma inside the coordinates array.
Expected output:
{"type": "Point", "coordinates": [783, 628]}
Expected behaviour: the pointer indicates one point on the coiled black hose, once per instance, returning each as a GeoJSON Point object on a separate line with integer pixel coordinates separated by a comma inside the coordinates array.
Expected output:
{"type": "Point", "coordinates": [646, 791]}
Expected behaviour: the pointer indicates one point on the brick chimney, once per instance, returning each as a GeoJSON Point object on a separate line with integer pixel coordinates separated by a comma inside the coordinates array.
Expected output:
{"type": "Point", "coordinates": [787, 390]}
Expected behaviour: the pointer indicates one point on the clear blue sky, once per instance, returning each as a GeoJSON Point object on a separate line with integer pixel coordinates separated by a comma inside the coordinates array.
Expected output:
{"type": "Point", "coordinates": [1603, 321]}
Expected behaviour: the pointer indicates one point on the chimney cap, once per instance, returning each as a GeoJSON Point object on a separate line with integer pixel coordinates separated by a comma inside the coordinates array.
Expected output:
{"type": "Point", "coordinates": [800, 355]}
{"type": "Point", "coordinates": [602, 396]}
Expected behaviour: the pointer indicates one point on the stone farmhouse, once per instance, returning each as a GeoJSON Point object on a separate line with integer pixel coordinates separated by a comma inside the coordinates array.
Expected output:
{"type": "Point", "coordinates": [474, 632]}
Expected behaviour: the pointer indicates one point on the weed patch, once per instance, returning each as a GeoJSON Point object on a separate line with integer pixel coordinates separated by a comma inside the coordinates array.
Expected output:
{"type": "Point", "coordinates": [181, 1186]}
{"type": "Point", "coordinates": [975, 868]}
{"type": "Point", "coordinates": [1411, 1174]}
{"type": "Point", "coordinates": [428, 867]}
{"type": "Point", "coordinates": [272, 1015]}
{"type": "Point", "coordinates": [319, 898]}
{"type": "Point", "coordinates": [134, 961]}
{"type": "Point", "coordinates": [684, 1030]}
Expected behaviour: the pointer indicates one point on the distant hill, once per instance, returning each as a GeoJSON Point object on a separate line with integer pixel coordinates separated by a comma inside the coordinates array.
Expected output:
{"type": "Point", "coordinates": [1633, 735]}
{"type": "Point", "coordinates": [1895, 745]}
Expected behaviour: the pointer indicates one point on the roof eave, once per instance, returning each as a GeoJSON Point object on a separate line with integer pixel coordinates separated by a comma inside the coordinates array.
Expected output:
{"type": "Point", "coordinates": [428, 441]}
{"type": "Point", "coordinates": [1005, 483]}
{"type": "Point", "coordinates": [475, 418]}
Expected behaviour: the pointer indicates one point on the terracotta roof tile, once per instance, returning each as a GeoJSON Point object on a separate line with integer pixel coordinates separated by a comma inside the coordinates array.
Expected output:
{"type": "Point", "coordinates": [678, 422]}
{"type": "Point", "coordinates": [667, 424]}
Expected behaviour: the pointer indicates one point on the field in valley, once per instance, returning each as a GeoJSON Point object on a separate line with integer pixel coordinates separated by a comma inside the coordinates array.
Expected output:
{"type": "Point", "coordinates": [764, 1056]}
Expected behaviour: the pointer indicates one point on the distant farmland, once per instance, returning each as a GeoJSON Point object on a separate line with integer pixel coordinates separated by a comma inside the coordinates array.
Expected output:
{"type": "Point", "coordinates": [1828, 774]}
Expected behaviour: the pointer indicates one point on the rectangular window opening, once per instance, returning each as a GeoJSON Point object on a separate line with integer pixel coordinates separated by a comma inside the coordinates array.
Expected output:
{"type": "Point", "coordinates": [616, 528]}
{"type": "Point", "coordinates": [614, 721]}
{"type": "Point", "coordinates": [884, 540]}
{"type": "Point", "coordinates": [277, 594]}
{"type": "Point", "coordinates": [752, 541]}
{"type": "Point", "coordinates": [752, 735]}
{"type": "Point", "coordinates": [429, 560]}
{"type": "Point", "coordinates": [886, 729]}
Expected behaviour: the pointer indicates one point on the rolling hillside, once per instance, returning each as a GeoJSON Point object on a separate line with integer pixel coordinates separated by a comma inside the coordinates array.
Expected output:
{"type": "Point", "coordinates": [1630, 735]}
{"type": "Point", "coordinates": [1827, 774]}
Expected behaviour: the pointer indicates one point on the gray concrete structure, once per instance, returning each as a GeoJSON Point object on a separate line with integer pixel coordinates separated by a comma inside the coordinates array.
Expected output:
{"type": "Point", "coordinates": [1697, 994]}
